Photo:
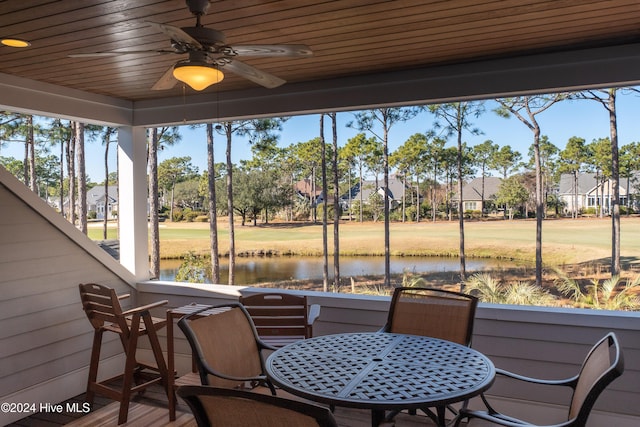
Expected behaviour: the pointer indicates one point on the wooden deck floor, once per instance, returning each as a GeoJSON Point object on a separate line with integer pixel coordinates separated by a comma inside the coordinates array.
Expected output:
{"type": "Point", "coordinates": [150, 409]}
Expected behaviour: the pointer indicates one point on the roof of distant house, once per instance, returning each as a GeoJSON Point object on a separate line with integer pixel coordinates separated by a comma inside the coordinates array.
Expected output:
{"type": "Point", "coordinates": [473, 189]}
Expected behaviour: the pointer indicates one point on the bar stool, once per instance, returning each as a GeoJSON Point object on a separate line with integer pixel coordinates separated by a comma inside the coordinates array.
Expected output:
{"type": "Point", "coordinates": [102, 306]}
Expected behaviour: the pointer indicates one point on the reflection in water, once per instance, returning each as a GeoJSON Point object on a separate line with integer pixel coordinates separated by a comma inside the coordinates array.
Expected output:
{"type": "Point", "coordinates": [270, 269]}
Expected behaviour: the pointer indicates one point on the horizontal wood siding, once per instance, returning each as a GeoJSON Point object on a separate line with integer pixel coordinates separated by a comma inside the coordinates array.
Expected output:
{"type": "Point", "coordinates": [44, 334]}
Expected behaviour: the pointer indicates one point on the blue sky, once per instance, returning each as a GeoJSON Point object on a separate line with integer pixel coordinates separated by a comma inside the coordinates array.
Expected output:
{"type": "Point", "coordinates": [586, 119]}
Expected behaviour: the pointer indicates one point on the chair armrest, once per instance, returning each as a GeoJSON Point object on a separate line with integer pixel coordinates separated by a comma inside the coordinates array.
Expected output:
{"type": "Point", "coordinates": [314, 313]}
{"type": "Point", "coordinates": [264, 346]}
{"type": "Point", "coordinates": [568, 382]}
{"type": "Point", "coordinates": [145, 307]}
{"type": "Point", "coordinates": [501, 419]}
{"type": "Point", "coordinates": [497, 419]}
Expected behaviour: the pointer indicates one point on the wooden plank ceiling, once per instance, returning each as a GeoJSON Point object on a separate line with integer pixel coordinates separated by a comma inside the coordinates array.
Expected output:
{"type": "Point", "coordinates": [348, 37]}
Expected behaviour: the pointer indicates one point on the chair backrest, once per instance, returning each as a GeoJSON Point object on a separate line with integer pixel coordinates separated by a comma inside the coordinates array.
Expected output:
{"type": "Point", "coordinates": [224, 344]}
{"type": "Point", "coordinates": [603, 364]}
{"type": "Point", "coordinates": [213, 406]}
{"type": "Point", "coordinates": [101, 304]}
{"type": "Point", "coordinates": [279, 318]}
{"type": "Point", "coordinates": [432, 312]}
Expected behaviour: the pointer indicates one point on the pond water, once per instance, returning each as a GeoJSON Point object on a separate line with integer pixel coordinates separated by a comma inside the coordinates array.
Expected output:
{"type": "Point", "coordinates": [270, 269]}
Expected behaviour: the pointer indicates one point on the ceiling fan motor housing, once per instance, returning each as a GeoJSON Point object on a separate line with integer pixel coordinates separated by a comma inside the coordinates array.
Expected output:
{"type": "Point", "coordinates": [206, 36]}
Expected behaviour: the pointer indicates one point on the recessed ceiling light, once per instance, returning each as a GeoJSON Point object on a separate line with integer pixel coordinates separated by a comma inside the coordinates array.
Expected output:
{"type": "Point", "coordinates": [13, 42]}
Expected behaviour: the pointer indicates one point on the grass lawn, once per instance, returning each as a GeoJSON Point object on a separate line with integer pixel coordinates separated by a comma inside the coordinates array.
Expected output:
{"type": "Point", "coordinates": [565, 241]}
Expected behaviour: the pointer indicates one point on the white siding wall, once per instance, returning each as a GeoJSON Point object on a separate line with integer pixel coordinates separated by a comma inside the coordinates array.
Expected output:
{"type": "Point", "coordinates": [45, 338]}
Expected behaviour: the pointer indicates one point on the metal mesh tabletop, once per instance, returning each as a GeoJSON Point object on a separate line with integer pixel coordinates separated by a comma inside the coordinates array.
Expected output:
{"type": "Point", "coordinates": [380, 370]}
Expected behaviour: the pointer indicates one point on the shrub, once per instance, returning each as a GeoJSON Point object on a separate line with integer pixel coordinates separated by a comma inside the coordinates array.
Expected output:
{"type": "Point", "coordinates": [190, 215]}
{"type": "Point", "coordinates": [487, 289]}
{"type": "Point", "coordinates": [194, 269]}
{"type": "Point", "coordinates": [606, 295]}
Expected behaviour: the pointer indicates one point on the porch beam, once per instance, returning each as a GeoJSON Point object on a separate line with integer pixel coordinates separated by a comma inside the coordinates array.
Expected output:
{"type": "Point", "coordinates": [32, 97]}
{"type": "Point", "coordinates": [490, 78]}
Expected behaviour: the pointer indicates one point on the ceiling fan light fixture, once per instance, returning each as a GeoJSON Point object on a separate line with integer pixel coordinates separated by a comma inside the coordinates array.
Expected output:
{"type": "Point", "coordinates": [198, 75]}
{"type": "Point", "coordinates": [14, 42]}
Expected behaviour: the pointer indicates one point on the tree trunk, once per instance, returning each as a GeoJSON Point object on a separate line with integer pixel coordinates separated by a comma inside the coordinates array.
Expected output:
{"type": "Point", "coordinates": [325, 247]}
{"type": "Point", "coordinates": [213, 215]}
{"type": "Point", "coordinates": [33, 184]}
{"type": "Point", "coordinates": [71, 166]}
{"type": "Point", "coordinates": [615, 190]}
{"type": "Point", "coordinates": [82, 178]}
{"type": "Point", "coordinates": [232, 237]}
{"type": "Point", "coordinates": [539, 204]}
{"type": "Point", "coordinates": [154, 208]}
{"type": "Point", "coordinates": [107, 137]}
{"type": "Point", "coordinates": [62, 156]}
{"type": "Point", "coordinates": [482, 196]}
{"type": "Point", "coordinates": [575, 195]}
{"type": "Point", "coordinates": [336, 205]}
{"type": "Point", "coordinates": [361, 183]}
{"type": "Point", "coordinates": [312, 197]}
{"type": "Point", "coordinates": [404, 195]}
{"type": "Point", "coordinates": [417, 198]}
{"type": "Point", "coordinates": [463, 267]}
{"type": "Point", "coordinates": [387, 246]}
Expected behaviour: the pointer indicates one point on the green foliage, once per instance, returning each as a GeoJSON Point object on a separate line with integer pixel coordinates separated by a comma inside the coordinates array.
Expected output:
{"type": "Point", "coordinates": [194, 269]}
{"type": "Point", "coordinates": [472, 214]}
{"type": "Point", "coordinates": [512, 193]}
{"type": "Point", "coordinates": [177, 215]}
{"type": "Point", "coordinates": [607, 295]}
{"type": "Point", "coordinates": [505, 160]}
{"type": "Point", "coordinates": [190, 215]}
{"type": "Point", "coordinates": [410, 280]}
{"type": "Point", "coordinates": [376, 205]}
{"type": "Point", "coordinates": [329, 210]}
{"type": "Point", "coordinates": [174, 170]}
{"type": "Point", "coordinates": [488, 289]}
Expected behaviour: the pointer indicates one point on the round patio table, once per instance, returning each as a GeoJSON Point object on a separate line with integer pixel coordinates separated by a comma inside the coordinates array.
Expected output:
{"type": "Point", "coordinates": [380, 371]}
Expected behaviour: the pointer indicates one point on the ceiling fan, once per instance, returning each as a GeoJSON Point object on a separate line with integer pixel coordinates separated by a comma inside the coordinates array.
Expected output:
{"type": "Point", "coordinates": [209, 54]}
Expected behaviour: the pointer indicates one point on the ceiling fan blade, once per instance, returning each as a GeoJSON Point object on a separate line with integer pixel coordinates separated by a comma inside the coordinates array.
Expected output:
{"type": "Point", "coordinates": [251, 73]}
{"type": "Point", "coordinates": [118, 53]}
{"type": "Point", "coordinates": [176, 34]}
{"type": "Point", "coordinates": [262, 50]}
{"type": "Point", "coordinates": [167, 81]}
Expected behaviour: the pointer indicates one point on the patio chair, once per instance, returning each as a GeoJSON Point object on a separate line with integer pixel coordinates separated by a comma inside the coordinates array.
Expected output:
{"type": "Point", "coordinates": [433, 313]}
{"type": "Point", "coordinates": [603, 364]}
{"type": "Point", "coordinates": [213, 406]}
{"type": "Point", "coordinates": [226, 347]}
{"type": "Point", "coordinates": [102, 306]}
{"type": "Point", "coordinates": [281, 318]}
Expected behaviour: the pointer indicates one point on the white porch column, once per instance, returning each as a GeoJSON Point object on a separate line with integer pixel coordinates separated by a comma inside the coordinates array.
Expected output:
{"type": "Point", "coordinates": [132, 205]}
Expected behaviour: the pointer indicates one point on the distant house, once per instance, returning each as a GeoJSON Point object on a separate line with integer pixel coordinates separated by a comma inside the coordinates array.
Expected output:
{"type": "Point", "coordinates": [98, 203]}
{"type": "Point", "coordinates": [305, 189]}
{"type": "Point", "coordinates": [590, 193]}
{"type": "Point", "coordinates": [472, 193]}
{"type": "Point", "coordinates": [369, 187]}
